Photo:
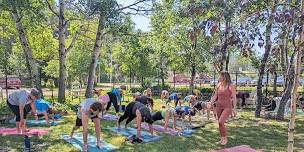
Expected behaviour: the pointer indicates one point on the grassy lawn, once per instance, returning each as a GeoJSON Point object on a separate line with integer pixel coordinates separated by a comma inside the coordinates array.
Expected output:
{"type": "Point", "coordinates": [270, 136]}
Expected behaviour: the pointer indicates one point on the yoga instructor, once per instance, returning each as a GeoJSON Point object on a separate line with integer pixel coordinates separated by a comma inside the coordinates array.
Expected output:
{"type": "Point", "coordinates": [224, 97]}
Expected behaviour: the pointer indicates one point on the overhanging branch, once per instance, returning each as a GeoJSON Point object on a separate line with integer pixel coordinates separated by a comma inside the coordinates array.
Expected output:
{"type": "Point", "coordinates": [51, 9]}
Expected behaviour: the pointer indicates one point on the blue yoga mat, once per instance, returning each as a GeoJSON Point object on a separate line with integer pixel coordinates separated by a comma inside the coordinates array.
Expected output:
{"type": "Point", "coordinates": [77, 142]}
{"type": "Point", "coordinates": [34, 122]}
{"type": "Point", "coordinates": [147, 137]}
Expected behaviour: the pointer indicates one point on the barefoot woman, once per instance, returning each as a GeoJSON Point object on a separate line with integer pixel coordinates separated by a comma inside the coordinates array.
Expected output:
{"type": "Point", "coordinates": [224, 96]}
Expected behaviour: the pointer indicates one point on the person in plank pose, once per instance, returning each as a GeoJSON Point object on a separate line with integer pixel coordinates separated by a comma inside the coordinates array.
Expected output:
{"type": "Point", "coordinates": [21, 102]}
{"type": "Point", "coordinates": [88, 109]}
{"type": "Point", "coordinates": [140, 112]}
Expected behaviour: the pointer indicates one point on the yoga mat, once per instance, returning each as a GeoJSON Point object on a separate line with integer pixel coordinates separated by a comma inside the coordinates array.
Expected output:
{"type": "Point", "coordinates": [186, 124]}
{"type": "Point", "coordinates": [159, 128]}
{"type": "Point", "coordinates": [35, 122]}
{"type": "Point", "coordinates": [147, 137]}
{"type": "Point", "coordinates": [13, 131]}
{"type": "Point", "coordinates": [77, 141]}
{"type": "Point", "coordinates": [241, 148]}
{"type": "Point", "coordinates": [110, 117]}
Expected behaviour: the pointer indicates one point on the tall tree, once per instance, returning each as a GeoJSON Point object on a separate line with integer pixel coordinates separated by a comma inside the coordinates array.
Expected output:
{"type": "Point", "coordinates": [296, 81]}
{"type": "Point", "coordinates": [18, 9]}
{"type": "Point", "coordinates": [109, 13]}
{"type": "Point", "coordinates": [264, 60]}
{"type": "Point", "coordinates": [63, 50]}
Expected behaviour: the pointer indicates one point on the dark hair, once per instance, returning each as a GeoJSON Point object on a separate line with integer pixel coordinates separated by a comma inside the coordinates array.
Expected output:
{"type": "Point", "coordinates": [150, 100]}
{"type": "Point", "coordinates": [179, 111]}
{"type": "Point", "coordinates": [97, 106]}
{"type": "Point", "coordinates": [198, 106]}
{"type": "Point", "coordinates": [192, 113]}
{"type": "Point", "coordinates": [148, 119]}
{"type": "Point", "coordinates": [35, 93]}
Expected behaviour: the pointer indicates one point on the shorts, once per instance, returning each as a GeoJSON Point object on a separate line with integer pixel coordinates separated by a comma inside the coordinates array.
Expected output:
{"type": "Point", "coordinates": [27, 108]}
{"type": "Point", "coordinates": [79, 121]}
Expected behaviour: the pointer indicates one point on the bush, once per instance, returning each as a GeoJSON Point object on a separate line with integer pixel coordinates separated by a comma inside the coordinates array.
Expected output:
{"type": "Point", "coordinates": [137, 89]}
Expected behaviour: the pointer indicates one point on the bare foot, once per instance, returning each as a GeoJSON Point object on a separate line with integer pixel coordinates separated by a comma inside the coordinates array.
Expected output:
{"type": "Point", "coordinates": [99, 145]}
{"type": "Point", "coordinates": [85, 147]}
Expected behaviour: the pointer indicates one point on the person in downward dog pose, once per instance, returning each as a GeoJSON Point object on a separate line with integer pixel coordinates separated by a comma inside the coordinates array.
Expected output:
{"type": "Point", "coordinates": [175, 97]}
{"type": "Point", "coordinates": [164, 95]}
{"type": "Point", "coordinates": [190, 99]}
{"type": "Point", "coordinates": [88, 109]}
{"type": "Point", "coordinates": [21, 102]}
{"type": "Point", "coordinates": [224, 97]}
{"type": "Point", "coordinates": [146, 101]}
{"type": "Point", "coordinates": [165, 114]}
{"type": "Point", "coordinates": [107, 100]}
{"type": "Point", "coordinates": [140, 112]}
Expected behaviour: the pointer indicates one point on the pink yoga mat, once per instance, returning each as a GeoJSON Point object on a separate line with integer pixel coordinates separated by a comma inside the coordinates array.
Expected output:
{"type": "Point", "coordinates": [241, 148]}
{"type": "Point", "coordinates": [159, 128]}
{"type": "Point", "coordinates": [13, 131]}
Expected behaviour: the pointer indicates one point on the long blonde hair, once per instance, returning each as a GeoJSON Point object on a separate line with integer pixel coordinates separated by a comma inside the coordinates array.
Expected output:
{"type": "Point", "coordinates": [227, 78]}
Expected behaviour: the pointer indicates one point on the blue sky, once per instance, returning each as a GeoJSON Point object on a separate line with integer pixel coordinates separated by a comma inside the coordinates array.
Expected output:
{"type": "Point", "coordinates": [141, 22]}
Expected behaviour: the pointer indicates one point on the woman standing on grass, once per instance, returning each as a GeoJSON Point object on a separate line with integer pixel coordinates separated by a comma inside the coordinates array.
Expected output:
{"type": "Point", "coordinates": [224, 97]}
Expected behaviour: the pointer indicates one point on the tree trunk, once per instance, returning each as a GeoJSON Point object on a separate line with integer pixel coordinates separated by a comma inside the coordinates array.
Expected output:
{"type": "Point", "coordinates": [263, 63]}
{"type": "Point", "coordinates": [227, 60]}
{"type": "Point", "coordinates": [287, 88]}
{"type": "Point", "coordinates": [95, 54]}
{"type": "Point", "coordinates": [31, 63]}
{"type": "Point", "coordinates": [162, 76]}
{"type": "Point", "coordinates": [62, 53]}
{"type": "Point", "coordinates": [296, 83]}
{"type": "Point", "coordinates": [275, 80]}
{"type": "Point", "coordinates": [193, 72]}
{"type": "Point", "coordinates": [224, 46]}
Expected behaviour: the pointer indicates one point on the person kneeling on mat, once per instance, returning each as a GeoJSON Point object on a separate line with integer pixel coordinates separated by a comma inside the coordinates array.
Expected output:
{"type": "Point", "coordinates": [140, 112]}
{"type": "Point", "coordinates": [166, 114]}
{"type": "Point", "coordinates": [21, 102]}
{"type": "Point", "coordinates": [89, 108]}
{"type": "Point", "coordinates": [108, 99]}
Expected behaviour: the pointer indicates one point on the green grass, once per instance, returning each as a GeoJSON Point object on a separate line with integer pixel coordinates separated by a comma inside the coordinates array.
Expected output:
{"type": "Point", "coordinates": [271, 136]}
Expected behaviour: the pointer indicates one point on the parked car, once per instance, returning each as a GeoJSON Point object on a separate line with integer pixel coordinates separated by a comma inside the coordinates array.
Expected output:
{"type": "Point", "coordinates": [213, 82]}
{"type": "Point", "coordinates": [12, 82]}
{"type": "Point", "coordinates": [203, 81]}
{"type": "Point", "coordinates": [254, 82]}
{"type": "Point", "coordinates": [244, 81]}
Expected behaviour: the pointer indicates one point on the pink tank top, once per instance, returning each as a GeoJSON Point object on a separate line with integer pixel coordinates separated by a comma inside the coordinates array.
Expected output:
{"type": "Point", "coordinates": [224, 98]}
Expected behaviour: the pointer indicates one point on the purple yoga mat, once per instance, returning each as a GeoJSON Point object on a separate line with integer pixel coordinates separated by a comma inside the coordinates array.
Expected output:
{"type": "Point", "coordinates": [160, 128]}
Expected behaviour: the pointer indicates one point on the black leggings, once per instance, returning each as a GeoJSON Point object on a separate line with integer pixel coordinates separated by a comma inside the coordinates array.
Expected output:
{"type": "Point", "coordinates": [128, 114]}
{"type": "Point", "coordinates": [27, 108]}
{"type": "Point", "coordinates": [113, 100]}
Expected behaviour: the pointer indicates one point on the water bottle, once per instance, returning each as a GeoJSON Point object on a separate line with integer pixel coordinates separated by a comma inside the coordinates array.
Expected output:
{"type": "Point", "coordinates": [27, 144]}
